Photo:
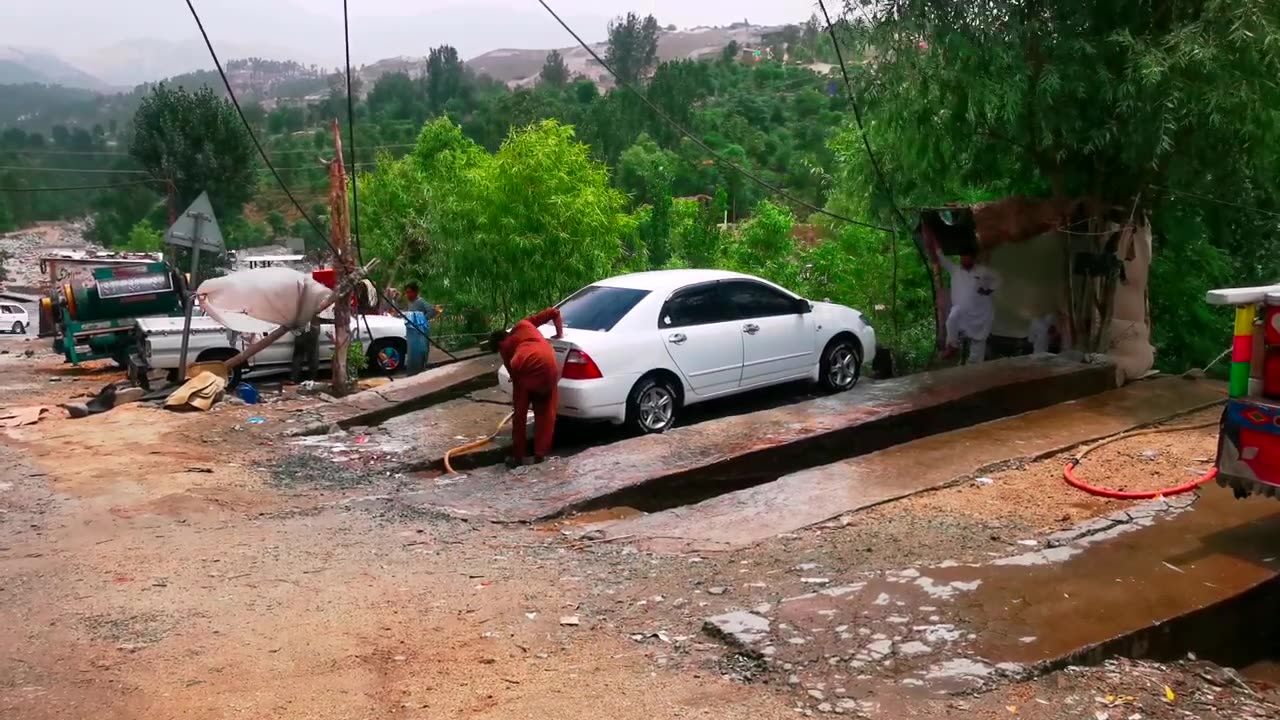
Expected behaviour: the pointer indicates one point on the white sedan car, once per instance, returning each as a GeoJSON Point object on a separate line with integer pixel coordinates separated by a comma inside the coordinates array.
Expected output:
{"type": "Point", "coordinates": [638, 348]}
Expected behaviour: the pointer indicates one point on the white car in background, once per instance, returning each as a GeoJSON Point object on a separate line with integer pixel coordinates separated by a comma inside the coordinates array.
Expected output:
{"type": "Point", "coordinates": [13, 318]}
{"type": "Point", "coordinates": [638, 348]}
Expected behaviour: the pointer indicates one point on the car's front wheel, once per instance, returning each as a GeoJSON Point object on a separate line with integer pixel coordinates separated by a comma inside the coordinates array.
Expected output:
{"type": "Point", "coordinates": [652, 405]}
{"type": "Point", "coordinates": [841, 365]}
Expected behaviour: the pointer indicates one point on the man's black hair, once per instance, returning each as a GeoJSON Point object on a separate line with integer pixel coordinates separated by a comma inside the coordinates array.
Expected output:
{"type": "Point", "coordinates": [411, 286]}
{"type": "Point", "coordinates": [496, 337]}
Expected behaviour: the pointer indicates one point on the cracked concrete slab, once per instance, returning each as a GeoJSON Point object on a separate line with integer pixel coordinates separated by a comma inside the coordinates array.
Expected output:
{"type": "Point", "coordinates": [404, 395]}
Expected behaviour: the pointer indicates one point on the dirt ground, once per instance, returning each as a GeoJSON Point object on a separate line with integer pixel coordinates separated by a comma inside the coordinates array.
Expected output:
{"type": "Point", "coordinates": [166, 565]}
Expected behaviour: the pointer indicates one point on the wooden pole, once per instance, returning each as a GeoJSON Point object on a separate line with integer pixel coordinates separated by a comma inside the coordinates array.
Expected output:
{"type": "Point", "coordinates": [340, 236]}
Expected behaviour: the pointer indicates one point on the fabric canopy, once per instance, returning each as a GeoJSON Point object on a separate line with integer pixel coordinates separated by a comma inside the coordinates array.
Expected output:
{"type": "Point", "coordinates": [259, 300]}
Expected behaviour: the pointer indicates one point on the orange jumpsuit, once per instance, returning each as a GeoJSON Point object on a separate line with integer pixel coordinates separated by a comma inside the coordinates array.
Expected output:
{"type": "Point", "coordinates": [531, 361]}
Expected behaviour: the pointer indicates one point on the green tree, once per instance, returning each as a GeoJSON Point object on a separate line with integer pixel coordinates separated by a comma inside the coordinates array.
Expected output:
{"type": "Point", "coordinates": [446, 76]}
{"type": "Point", "coordinates": [279, 226]}
{"type": "Point", "coordinates": [396, 97]}
{"type": "Point", "coordinates": [496, 235]}
{"type": "Point", "coordinates": [1114, 104]}
{"type": "Point", "coordinates": [144, 237]}
{"type": "Point", "coordinates": [633, 46]}
{"type": "Point", "coordinates": [555, 73]}
{"type": "Point", "coordinates": [645, 166]}
{"type": "Point", "coordinates": [195, 141]}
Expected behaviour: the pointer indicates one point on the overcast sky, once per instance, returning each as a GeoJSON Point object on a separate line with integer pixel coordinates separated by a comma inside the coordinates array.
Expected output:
{"type": "Point", "coordinates": [310, 30]}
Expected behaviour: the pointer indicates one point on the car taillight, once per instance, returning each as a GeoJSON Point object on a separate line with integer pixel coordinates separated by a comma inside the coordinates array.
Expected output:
{"type": "Point", "coordinates": [579, 366]}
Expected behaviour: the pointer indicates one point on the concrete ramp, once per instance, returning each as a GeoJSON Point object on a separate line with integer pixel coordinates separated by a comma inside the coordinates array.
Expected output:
{"type": "Point", "coordinates": [803, 498]}
{"type": "Point", "coordinates": [693, 463]}
{"type": "Point", "coordinates": [403, 395]}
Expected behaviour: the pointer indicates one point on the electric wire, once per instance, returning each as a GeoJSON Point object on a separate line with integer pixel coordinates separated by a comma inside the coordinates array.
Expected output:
{"type": "Point", "coordinates": [265, 159]}
{"type": "Point", "coordinates": [884, 182]}
{"type": "Point", "coordinates": [351, 141]}
{"type": "Point", "coordinates": [698, 141]}
{"type": "Point", "coordinates": [67, 188]}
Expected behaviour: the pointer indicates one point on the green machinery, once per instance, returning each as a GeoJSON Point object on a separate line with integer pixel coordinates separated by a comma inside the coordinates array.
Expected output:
{"type": "Point", "coordinates": [96, 320]}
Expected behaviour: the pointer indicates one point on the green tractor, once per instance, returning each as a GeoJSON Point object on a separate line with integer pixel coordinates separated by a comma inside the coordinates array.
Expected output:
{"type": "Point", "coordinates": [95, 321]}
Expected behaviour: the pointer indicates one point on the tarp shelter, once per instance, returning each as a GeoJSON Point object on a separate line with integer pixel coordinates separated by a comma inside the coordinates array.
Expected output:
{"type": "Point", "coordinates": [1055, 258]}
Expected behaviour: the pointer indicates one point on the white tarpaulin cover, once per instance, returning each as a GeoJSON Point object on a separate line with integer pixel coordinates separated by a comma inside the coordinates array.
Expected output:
{"type": "Point", "coordinates": [257, 301]}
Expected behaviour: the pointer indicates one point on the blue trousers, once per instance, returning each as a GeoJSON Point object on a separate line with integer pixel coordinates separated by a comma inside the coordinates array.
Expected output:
{"type": "Point", "coordinates": [416, 334]}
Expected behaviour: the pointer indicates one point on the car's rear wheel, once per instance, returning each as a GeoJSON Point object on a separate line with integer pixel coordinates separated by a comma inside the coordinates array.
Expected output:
{"type": "Point", "coordinates": [223, 355]}
{"type": "Point", "coordinates": [18, 329]}
{"type": "Point", "coordinates": [652, 406]}
{"type": "Point", "coordinates": [841, 365]}
{"type": "Point", "coordinates": [387, 355]}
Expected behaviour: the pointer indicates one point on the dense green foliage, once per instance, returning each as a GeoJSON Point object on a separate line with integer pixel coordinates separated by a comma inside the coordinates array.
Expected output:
{"type": "Point", "coordinates": [1139, 109]}
{"type": "Point", "coordinates": [196, 143]}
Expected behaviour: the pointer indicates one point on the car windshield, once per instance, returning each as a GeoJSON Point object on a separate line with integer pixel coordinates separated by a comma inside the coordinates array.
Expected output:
{"type": "Point", "coordinates": [599, 308]}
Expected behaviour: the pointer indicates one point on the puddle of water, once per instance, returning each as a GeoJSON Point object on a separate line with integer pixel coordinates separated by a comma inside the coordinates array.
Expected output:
{"type": "Point", "coordinates": [587, 520]}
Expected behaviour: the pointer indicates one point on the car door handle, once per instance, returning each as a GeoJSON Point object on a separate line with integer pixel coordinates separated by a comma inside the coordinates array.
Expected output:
{"type": "Point", "coordinates": [677, 339]}
{"type": "Point", "coordinates": [751, 328]}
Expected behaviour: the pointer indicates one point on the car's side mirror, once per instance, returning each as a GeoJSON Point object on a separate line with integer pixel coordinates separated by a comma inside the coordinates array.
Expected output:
{"type": "Point", "coordinates": [803, 306]}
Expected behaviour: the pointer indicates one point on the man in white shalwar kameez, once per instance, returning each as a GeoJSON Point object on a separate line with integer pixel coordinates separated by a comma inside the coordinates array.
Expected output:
{"type": "Point", "coordinates": [973, 309]}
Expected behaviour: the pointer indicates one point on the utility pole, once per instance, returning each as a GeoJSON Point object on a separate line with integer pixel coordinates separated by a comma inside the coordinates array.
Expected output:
{"type": "Point", "coordinates": [340, 237]}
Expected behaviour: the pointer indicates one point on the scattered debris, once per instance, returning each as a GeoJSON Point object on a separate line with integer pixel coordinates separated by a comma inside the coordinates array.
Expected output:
{"type": "Point", "coordinates": [570, 620]}
{"type": "Point", "coordinates": [18, 417]}
{"type": "Point", "coordinates": [741, 628]}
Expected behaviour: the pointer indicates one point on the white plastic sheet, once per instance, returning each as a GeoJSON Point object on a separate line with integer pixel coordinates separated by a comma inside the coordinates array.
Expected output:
{"type": "Point", "coordinates": [259, 300]}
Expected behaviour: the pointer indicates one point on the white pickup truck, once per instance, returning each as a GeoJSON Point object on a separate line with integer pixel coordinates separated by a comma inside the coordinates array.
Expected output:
{"type": "Point", "coordinates": [160, 345]}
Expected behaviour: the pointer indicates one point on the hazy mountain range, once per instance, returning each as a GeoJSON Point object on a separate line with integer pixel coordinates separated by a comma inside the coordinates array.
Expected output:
{"type": "Point", "coordinates": [123, 66]}
{"type": "Point", "coordinates": [122, 44]}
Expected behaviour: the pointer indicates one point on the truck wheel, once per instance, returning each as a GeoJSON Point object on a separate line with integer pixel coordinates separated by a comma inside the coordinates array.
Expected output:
{"type": "Point", "coordinates": [222, 356]}
{"type": "Point", "coordinates": [387, 355]}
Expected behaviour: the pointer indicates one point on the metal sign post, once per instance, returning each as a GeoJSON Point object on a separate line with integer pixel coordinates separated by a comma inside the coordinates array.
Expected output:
{"type": "Point", "coordinates": [197, 229]}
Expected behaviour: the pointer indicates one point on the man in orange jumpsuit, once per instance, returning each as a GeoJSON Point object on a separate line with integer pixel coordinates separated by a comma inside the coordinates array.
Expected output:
{"type": "Point", "coordinates": [531, 361]}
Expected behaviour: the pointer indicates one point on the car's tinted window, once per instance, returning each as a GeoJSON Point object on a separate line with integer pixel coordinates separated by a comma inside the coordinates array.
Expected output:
{"type": "Point", "coordinates": [599, 308]}
{"type": "Point", "coordinates": [753, 300]}
{"type": "Point", "coordinates": [8, 310]}
{"type": "Point", "coordinates": [700, 305]}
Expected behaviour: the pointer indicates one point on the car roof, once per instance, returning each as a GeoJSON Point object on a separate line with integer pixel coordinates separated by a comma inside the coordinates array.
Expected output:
{"type": "Point", "coordinates": [668, 280]}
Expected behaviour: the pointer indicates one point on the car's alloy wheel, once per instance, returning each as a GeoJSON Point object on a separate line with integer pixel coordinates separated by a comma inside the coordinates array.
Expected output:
{"type": "Point", "coordinates": [18, 329]}
{"type": "Point", "coordinates": [652, 408]}
{"type": "Point", "coordinates": [841, 366]}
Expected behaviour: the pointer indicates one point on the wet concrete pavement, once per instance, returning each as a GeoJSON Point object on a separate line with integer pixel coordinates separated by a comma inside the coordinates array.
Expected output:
{"type": "Point", "coordinates": [727, 454]}
{"type": "Point", "coordinates": [811, 496]}
{"type": "Point", "coordinates": [1107, 587]}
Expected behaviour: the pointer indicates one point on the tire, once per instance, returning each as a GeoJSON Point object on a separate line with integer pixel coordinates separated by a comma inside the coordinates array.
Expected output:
{"type": "Point", "coordinates": [388, 355]}
{"type": "Point", "coordinates": [841, 365]}
{"type": "Point", "coordinates": [652, 406]}
{"type": "Point", "coordinates": [18, 328]}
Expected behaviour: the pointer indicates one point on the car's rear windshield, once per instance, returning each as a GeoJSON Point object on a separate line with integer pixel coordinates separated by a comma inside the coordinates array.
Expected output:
{"type": "Point", "coordinates": [599, 308]}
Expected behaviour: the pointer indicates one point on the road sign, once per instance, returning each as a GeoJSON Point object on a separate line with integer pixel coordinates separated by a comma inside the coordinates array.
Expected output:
{"type": "Point", "coordinates": [197, 228]}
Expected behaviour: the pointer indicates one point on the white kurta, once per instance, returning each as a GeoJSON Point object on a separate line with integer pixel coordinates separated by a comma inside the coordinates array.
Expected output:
{"type": "Point", "coordinates": [972, 312]}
